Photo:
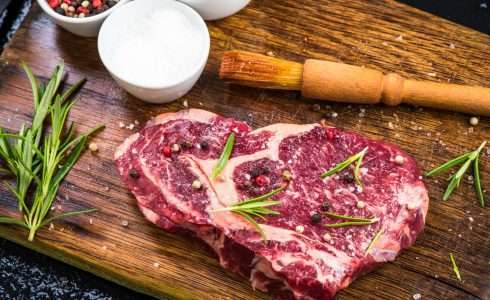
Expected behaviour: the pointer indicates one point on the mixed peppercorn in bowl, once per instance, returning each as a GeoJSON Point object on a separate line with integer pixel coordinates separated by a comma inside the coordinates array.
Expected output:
{"type": "Point", "coordinates": [81, 8]}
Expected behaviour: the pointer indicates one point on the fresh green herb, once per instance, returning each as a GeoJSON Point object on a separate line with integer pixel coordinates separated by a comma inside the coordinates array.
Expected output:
{"type": "Point", "coordinates": [374, 241]}
{"type": "Point", "coordinates": [255, 207]}
{"type": "Point", "coordinates": [40, 158]}
{"type": "Point", "coordinates": [225, 155]}
{"type": "Point", "coordinates": [455, 267]}
{"type": "Point", "coordinates": [350, 220]}
{"type": "Point", "coordinates": [357, 158]}
{"type": "Point", "coordinates": [455, 179]}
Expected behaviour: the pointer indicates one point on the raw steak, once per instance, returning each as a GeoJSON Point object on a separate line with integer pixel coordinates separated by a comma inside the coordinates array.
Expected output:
{"type": "Point", "coordinates": [300, 258]}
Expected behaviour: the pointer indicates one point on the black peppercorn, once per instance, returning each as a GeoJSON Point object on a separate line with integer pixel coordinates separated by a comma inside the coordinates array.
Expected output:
{"type": "Point", "coordinates": [348, 177]}
{"type": "Point", "coordinates": [316, 218]}
{"type": "Point", "coordinates": [60, 10]}
{"type": "Point", "coordinates": [204, 145]}
{"type": "Point", "coordinates": [186, 144]}
{"type": "Point", "coordinates": [316, 107]}
{"type": "Point", "coordinates": [133, 173]}
{"type": "Point", "coordinates": [255, 172]}
{"type": "Point", "coordinates": [325, 206]}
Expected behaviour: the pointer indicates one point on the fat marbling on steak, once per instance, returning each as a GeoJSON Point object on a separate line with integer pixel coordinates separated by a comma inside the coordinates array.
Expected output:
{"type": "Point", "coordinates": [300, 259]}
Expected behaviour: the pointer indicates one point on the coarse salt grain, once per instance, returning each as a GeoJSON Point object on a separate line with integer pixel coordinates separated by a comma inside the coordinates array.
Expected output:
{"type": "Point", "coordinates": [162, 48]}
{"type": "Point", "coordinates": [299, 228]}
{"type": "Point", "coordinates": [399, 160]}
{"type": "Point", "coordinates": [360, 204]}
{"type": "Point", "coordinates": [327, 237]}
{"type": "Point", "coordinates": [416, 296]}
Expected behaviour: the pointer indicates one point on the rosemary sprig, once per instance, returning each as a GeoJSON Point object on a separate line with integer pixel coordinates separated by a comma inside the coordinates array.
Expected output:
{"type": "Point", "coordinates": [467, 160]}
{"type": "Point", "coordinates": [374, 241]}
{"type": "Point", "coordinates": [455, 267]}
{"type": "Point", "coordinates": [357, 158]}
{"type": "Point", "coordinates": [225, 155]}
{"type": "Point", "coordinates": [39, 158]}
{"type": "Point", "coordinates": [255, 207]}
{"type": "Point", "coordinates": [350, 220]}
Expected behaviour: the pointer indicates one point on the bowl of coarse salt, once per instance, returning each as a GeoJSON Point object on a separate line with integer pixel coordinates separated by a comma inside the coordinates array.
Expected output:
{"type": "Point", "coordinates": [155, 49]}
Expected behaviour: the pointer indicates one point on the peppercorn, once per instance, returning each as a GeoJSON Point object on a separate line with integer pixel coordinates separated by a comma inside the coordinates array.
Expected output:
{"type": "Point", "coordinates": [348, 177]}
{"type": "Point", "coordinates": [316, 107]}
{"type": "Point", "coordinates": [186, 144]}
{"type": "Point", "coordinates": [204, 145]}
{"type": "Point", "coordinates": [262, 180]}
{"type": "Point", "coordinates": [316, 218]}
{"type": "Point", "coordinates": [134, 174]}
{"type": "Point", "coordinates": [60, 10]}
{"type": "Point", "coordinates": [325, 206]}
{"type": "Point", "coordinates": [255, 172]}
{"type": "Point", "coordinates": [167, 151]}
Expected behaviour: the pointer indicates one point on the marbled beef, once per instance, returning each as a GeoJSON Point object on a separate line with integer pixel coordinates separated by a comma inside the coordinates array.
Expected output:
{"type": "Point", "coordinates": [300, 259]}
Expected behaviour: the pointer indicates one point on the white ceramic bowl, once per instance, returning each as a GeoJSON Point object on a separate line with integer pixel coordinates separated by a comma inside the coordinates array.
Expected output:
{"type": "Point", "coordinates": [88, 26]}
{"type": "Point", "coordinates": [216, 9]}
{"type": "Point", "coordinates": [111, 39]}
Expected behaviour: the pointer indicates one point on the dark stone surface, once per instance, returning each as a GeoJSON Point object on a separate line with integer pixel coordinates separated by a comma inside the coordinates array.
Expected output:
{"type": "Point", "coordinates": [25, 274]}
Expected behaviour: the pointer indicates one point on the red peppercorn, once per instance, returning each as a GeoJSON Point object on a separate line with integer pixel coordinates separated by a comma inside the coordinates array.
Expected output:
{"type": "Point", "coordinates": [54, 3]}
{"type": "Point", "coordinates": [330, 133]}
{"type": "Point", "coordinates": [67, 2]}
{"type": "Point", "coordinates": [83, 10]}
{"type": "Point", "coordinates": [96, 3]}
{"type": "Point", "coordinates": [262, 180]}
{"type": "Point", "coordinates": [167, 151]}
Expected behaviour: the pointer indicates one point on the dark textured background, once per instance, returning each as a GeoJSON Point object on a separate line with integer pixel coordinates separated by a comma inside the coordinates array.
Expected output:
{"type": "Point", "coordinates": [25, 274]}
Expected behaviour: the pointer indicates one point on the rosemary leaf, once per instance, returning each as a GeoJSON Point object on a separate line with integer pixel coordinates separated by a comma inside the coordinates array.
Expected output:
{"type": "Point", "coordinates": [351, 223]}
{"type": "Point", "coordinates": [455, 267]}
{"type": "Point", "coordinates": [448, 165]}
{"type": "Point", "coordinates": [374, 240]}
{"type": "Point", "coordinates": [225, 155]}
{"type": "Point", "coordinates": [357, 175]}
{"type": "Point", "coordinates": [476, 175]}
{"type": "Point", "coordinates": [350, 218]}
{"type": "Point", "coordinates": [67, 214]}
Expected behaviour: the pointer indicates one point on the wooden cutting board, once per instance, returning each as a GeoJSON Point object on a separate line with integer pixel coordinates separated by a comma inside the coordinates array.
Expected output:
{"type": "Point", "coordinates": [379, 34]}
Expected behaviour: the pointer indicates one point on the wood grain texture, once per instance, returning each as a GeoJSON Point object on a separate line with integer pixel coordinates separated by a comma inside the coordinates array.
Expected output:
{"type": "Point", "coordinates": [365, 33]}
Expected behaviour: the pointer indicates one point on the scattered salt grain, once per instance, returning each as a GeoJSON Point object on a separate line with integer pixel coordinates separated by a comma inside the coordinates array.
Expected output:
{"type": "Point", "coordinates": [136, 122]}
{"type": "Point", "coordinates": [399, 160]}
{"type": "Point", "coordinates": [327, 237]}
{"type": "Point", "coordinates": [175, 148]}
{"type": "Point", "coordinates": [196, 184]}
{"type": "Point", "coordinates": [299, 228]}
{"type": "Point", "coordinates": [334, 115]}
{"type": "Point", "coordinates": [360, 204]}
{"type": "Point", "coordinates": [270, 53]}
{"type": "Point", "coordinates": [474, 121]}
{"type": "Point", "coordinates": [51, 226]}
{"type": "Point", "coordinates": [185, 103]}
{"type": "Point", "coordinates": [104, 247]}
{"type": "Point", "coordinates": [399, 38]}
{"type": "Point", "coordinates": [156, 265]}
{"type": "Point", "coordinates": [416, 296]}
{"type": "Point", "coordinates": [124, 223]}
{"type": "Point", "coordinates": [471, 219]}
{"type": "Point", "coordinates": [432, 74]}
{"type": "Point", "coordinates": [121, 125]}
{"type": "Point", "coordinates": [451, 46]}
{"type": "Point", "coordinates": [93, 147]}
{"type": "Point", "coordinates": [91, 221]}
{"type": "Point", "coordinates": [130, 126]}
{"type": "Point", "coordinates": [384, 43]}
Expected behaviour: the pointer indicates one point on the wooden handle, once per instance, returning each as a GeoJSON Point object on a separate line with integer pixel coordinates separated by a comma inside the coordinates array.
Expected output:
{"type": "Point", "coordinates": [346, 83]}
